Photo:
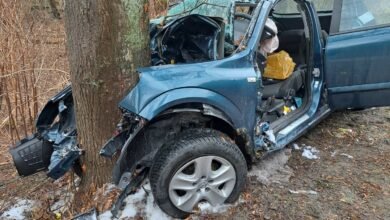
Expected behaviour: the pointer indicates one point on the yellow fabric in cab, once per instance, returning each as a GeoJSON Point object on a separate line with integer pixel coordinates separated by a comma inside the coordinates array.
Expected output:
{"type": "Point", "coordinates": [279, 66]}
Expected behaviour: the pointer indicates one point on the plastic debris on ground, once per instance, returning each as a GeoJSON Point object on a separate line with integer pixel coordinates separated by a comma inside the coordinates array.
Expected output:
{"type": "Point", "coordinates": [307, 192]}
{"type": "Point", "coordinates": [273, 168]}
{"type": "Point", "coordinates": [18, 210]}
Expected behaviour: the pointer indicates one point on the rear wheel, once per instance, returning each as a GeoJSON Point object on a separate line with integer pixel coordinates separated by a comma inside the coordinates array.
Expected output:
{"type": "Point", "coordinates": [201, 165]}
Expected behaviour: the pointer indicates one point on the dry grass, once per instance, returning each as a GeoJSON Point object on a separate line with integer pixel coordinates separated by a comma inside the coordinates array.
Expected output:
{"type": "Point", "coordinates": [33, 62]}
{"type": "Point", "coordinates": [33, 65]}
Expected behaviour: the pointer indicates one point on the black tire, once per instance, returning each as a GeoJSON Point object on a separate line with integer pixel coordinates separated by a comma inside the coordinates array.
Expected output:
{"type": "Point", "coordinates": [189, 145]}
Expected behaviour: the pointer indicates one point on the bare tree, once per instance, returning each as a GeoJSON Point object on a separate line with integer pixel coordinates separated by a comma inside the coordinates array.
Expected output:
{"type": "Point", "coordinates": [106, 41]}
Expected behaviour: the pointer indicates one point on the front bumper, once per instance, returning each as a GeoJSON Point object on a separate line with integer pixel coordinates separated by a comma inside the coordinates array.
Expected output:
{"type": "Point", "coordinates": [53, 147]}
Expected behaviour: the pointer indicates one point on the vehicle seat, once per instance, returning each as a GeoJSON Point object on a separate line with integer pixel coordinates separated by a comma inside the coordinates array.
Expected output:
{"type": "Point", "coordinates": [284, 88]}
{"type": "Point", "coordinates": [294, 43]}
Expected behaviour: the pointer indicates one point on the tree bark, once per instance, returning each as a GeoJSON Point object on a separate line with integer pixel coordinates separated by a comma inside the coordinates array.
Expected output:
{"type": "Point", "coordinates": [54, 10]}
{"type": "Point", "coordinates": [106, 42]}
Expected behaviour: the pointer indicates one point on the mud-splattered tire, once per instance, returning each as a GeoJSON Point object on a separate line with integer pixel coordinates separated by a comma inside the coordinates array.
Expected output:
{"type": "Point", "coordinates": [199, 165]}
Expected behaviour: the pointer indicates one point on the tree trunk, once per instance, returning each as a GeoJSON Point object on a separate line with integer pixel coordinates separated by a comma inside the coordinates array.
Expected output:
{"type": "Point", "coordinates": [106, 41]}
{"type": "Point", "coordinates": [54, 10]}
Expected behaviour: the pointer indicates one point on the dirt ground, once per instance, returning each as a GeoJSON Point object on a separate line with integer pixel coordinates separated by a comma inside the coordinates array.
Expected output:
{"type": "Point", "coordinates": [349, 180]}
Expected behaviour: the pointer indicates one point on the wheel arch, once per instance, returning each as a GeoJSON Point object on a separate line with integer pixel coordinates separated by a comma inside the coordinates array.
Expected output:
{"type": "Point", "coordinates": [170, 122]}
{"type": "Point", "coordinates": [183, 96]}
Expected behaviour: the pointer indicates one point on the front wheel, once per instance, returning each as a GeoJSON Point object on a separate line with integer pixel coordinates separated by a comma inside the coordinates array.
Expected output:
{"type": "Point", "coordinates": [200, 165]}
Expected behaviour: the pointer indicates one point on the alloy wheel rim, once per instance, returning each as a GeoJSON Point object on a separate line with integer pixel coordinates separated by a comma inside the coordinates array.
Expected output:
{"type": "Point", "coordinates": [207, 178]}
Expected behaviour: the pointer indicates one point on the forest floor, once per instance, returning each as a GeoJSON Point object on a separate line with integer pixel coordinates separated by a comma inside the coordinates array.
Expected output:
{"type": "Point", "coordinates": [349, 179]}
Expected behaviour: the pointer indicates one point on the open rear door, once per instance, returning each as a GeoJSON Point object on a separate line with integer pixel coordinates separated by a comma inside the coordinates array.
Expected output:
{"type": "Point", "coordinates": [357, 57]}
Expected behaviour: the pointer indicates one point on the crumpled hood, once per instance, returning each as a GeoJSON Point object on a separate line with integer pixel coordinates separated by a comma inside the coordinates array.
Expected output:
{"type": "Point", "coordinates": [155, 81]}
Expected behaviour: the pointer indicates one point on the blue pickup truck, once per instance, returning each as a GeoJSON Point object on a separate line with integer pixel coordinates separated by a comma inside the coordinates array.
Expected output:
{"type": "Point", "coordinates": [203, 112]}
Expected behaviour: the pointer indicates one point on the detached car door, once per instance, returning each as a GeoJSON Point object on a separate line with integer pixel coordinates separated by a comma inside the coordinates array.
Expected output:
{"type": "Point", "coordinates": [357, 54]}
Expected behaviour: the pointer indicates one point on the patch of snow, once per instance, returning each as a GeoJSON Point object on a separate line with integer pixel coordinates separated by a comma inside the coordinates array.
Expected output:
{"type": "Point", "coordinates": [141, 204]}
{"type": "Point", "coordinates": [18, 210]}
{"type": "Point", "coordinates": [133, 204]}
{"type": "Point", "coordinates": [57, 205]}
{"type": "Point", "coordinates": [273, 168]}
{"type": "Point", "coordinates": [107, 215]}
{"type": "Point", "coordinates": [152, 210]}
{"type": "Point", "coordinates": [296, 146]}
{"type": "Point", "coordinates": [347, 155]}
{"type": "Point", "coordinates": [308, 192]}
{"type": "Point", "coordinates": [310, 153]}
{"type": "Point", "coordinates": [207, 208]}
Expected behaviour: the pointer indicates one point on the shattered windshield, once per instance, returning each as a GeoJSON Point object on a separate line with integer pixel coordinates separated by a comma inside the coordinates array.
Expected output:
{"type": "Point", "coordinates": [212, 8]}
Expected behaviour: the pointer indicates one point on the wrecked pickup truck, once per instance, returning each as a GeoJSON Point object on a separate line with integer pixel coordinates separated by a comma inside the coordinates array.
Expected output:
{"type": "Point", "coordinates": [207, 108]}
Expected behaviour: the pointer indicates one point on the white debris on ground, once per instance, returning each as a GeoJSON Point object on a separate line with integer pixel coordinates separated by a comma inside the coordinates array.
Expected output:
{"type": "Point", "coordinates": [18, 210]}
{"type": "Point", "coordinates": [140, 204]}
{"type": "Point", "coordinates": [310, 153]}
{"type": "Point", "coordinates": [347, 155]}
{"type": "Point", "coordinates": [334, 153]}
{"type": "Point", "coordinates": [273, 168]}
{"type": "Point", "coordinates": [307, 192]}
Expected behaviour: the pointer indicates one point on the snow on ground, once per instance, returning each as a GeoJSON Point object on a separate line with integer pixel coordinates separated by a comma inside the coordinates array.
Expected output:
{"type": "Point", "coordinates": [207, 208]}
{"type": "Point", "coordinates": [107, 215]}
{"type": "Point", "coordinates": [310, 153]}
{"type": "Point", "coordinates": [140, 204]}
{"type": "Point", "coordinates": [273, 168]}
{"type": "Point", "coordinates": [17, 211]}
